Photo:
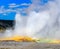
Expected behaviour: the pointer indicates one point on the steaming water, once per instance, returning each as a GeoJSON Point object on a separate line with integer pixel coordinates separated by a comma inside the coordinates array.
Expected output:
{"type": "Point", "coordinates": [34, 23]}
{"type": "Point", "coordinates": [40, 22]}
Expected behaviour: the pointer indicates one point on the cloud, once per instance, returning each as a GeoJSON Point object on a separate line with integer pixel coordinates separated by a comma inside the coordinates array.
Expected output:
{"type": "Point", "coordinates": [44, 23]}
{"type": "Point", "coordinates": [2, 10]}
{"type": "Point", "coordinates": [26, 4]}
{"type": "Point", "coordinates": [13, 5]}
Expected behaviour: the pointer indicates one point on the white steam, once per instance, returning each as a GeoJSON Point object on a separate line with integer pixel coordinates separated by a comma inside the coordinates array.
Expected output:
{"type": "Point", "coordinates": [35, 22]}
{"type": "Point", "coordinates": [42, 21]}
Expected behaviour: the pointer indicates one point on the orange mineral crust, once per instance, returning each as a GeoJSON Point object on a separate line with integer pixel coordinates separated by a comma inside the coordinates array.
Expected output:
{"type": "Point", "coordinates": [18, 39]}
{"type": "Point", "coordinates": [30, 39]}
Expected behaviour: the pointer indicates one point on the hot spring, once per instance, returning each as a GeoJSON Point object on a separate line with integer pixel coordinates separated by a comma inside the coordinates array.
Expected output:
{"type": "Point", "coordinates": [41, 21]}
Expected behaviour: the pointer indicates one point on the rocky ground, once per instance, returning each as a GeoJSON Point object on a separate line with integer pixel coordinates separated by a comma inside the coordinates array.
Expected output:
{"type": "Point", "coordinates": [28, 45]}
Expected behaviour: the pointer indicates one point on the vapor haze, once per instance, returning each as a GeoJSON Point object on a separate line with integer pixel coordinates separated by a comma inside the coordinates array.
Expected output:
{"type": "Point", "coordinates": [41, 21]}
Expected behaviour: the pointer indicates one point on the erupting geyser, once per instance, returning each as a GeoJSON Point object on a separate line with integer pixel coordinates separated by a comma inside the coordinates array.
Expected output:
{"type": "Point", "coordinates": [39, 20]}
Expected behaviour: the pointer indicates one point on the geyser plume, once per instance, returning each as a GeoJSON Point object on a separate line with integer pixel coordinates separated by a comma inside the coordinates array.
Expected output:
{"type": "Point", "coordinates": [42, 21]}
{"type": "Point", "coordinates": [33, 24]}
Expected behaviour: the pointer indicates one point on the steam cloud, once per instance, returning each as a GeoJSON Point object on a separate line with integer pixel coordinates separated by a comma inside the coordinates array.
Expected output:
{"type": "Point", "coordinates": [41, 21]}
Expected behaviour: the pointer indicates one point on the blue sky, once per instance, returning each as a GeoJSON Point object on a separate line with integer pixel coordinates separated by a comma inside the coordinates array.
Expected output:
{"type": "Point", "coordinates": [6, 2]}
{"type": "Point", "coordinates": [11, 15]}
